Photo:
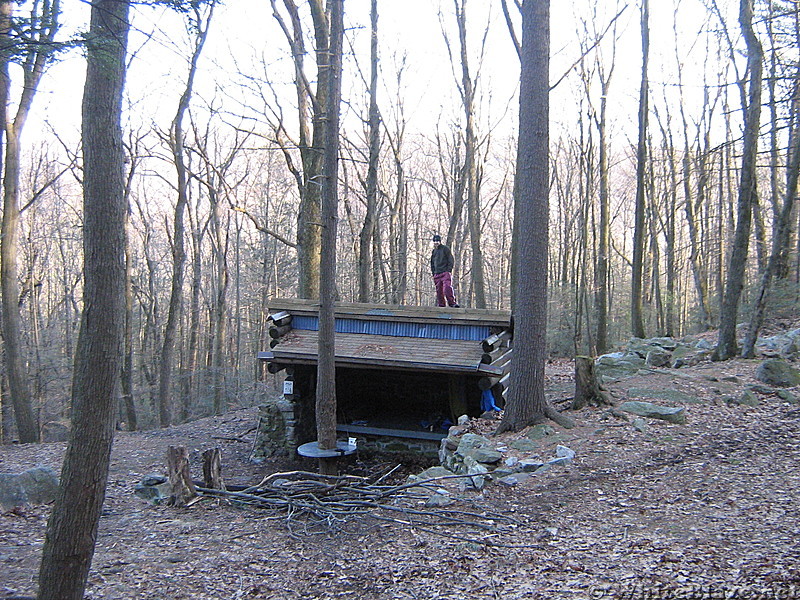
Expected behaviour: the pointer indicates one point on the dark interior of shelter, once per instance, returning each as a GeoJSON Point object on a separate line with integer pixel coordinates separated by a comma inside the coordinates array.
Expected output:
{"type": "Point", "coordinates": [388, 402]}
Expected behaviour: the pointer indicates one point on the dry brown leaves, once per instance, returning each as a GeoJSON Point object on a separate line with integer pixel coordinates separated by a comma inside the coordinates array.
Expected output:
{"type": "Point", "coordinates": [711, 505]}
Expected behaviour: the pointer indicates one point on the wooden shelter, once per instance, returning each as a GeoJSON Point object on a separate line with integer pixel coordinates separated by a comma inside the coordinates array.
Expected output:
{"type": "Point", "coordinates": [401, 371]}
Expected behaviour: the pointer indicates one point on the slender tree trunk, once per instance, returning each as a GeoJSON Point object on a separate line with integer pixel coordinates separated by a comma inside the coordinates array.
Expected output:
{"type": "Point", "coordinates": [34, 63]}
{"type": "Point", "coordinates": [72, 529]}
{"type": "Point", "coordinates": [165, 399]}
{"type": "Point", "coordinates": [470, 170]}
{"type": "Point", "coordinates": [727, 346]}
{"type": "Point", "coordinates": [637, 321]}
{"type": "Point", "coordinates": [780, 239]}
{"type": "Point", "coordinates": [326, 367]}
{"type": "Point", "coordinates": [601, 272]}
{"type": "Point", "coordinates": [368, 229]}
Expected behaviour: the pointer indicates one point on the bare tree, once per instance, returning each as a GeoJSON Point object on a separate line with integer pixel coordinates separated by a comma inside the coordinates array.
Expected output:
{"type": "Point", "coordinates": [727, 346]}
{"type": "Point", "coordinates": [326, 366]}
{"type": "Point", "coordinates": [527, 403]}
{"type": "Point", "coordinates": [36, 49]}
{"type": "Point", "coordinates": [72, 529]}
{"type": "Point", "coordinates": [200, 22]}
{"type": "Point", "coordinates": [637, 321]}
{"type": "Point", "coordinates": [365, 250]}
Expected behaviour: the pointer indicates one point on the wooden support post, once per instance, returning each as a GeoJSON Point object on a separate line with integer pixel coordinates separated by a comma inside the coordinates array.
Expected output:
{"type": "Point", "coordinates": [180, 477]}
{"type": "Point", "coordinates": [588, 389]}
{"type": "Point", "coordinates": [212, 469]}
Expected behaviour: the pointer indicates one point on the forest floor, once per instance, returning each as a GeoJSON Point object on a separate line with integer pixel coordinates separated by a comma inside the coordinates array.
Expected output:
{"type": "Point", "coordinates": [709, 509]}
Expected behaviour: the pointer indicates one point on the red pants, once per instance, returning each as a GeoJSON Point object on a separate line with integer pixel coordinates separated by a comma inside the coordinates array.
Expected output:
{"type": "Point", "coordinates": [444, 289]}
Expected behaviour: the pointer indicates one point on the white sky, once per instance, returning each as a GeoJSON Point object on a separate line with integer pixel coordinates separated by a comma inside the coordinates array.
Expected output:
{"type": "Point", "coordinates": [244, 31]}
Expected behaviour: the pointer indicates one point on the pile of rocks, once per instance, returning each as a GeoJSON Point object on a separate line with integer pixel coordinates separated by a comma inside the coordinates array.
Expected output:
{"type": "Point", "coordinates": [466, 453]}
{"type": "Point", "coordinates": [653, 352]}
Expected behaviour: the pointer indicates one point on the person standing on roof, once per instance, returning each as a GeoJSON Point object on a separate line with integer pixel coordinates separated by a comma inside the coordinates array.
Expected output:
{"type": "Point", "coordinates": [441, 269]}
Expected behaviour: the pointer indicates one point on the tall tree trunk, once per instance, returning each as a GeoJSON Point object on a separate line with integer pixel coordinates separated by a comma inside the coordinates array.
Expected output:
{"type": "Point", "coordinates": [727, 346]}
{"type": "Point", "coordinates": [637, 321]}
{"type": "Point", "coordinates": [470, 169]}
{"type": "Point", "coordinates": [72, 529]}
{"type": "Point", "coordinates": [527, 403]}
{"type": "Point", "coordinates": [783, 227]}
{"type": "Point", "coordinates": [368, 229]}
{"type": "Point", "coordinates": [602, 268]}
{"type": "Point", "coordinates": [34, 61]}
{"type": "Point", "coordinates": [165, 399]}
{"type": "Point", "coordinates": [326, 367]}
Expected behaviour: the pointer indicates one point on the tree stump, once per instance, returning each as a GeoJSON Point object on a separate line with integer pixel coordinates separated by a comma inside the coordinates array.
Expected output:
{"type": "Point", "coordinates": [588, 390]}
{"type": "Point", "coordinates": [180, 477]}
{"type": "Point", "coordinates": [212, 469]}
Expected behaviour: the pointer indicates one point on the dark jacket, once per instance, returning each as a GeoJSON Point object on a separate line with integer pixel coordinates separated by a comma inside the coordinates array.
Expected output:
{"type": "Point", "coordinates": [441, 260]}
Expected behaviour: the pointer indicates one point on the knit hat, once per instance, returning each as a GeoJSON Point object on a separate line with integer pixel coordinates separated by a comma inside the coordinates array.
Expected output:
{"type": "Point", "coordinates": [437, 238]}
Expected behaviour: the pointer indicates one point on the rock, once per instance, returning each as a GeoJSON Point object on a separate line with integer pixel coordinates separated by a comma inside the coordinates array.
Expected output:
{"type": "Point", "coordinates": [529, 465]}
{"type": "Point", "coordinates": [653, 411]}
{"type": "Point", "coordinates": [432, 473]}
{"type": "Point", "coordinates": [787, 396]}
{"type": "Point", "coordinates": [561, 461]}
{"type": "Point", "coordinates": [515, 479]}
{"type": "Point", "coordinates": [748, 398]}
{"type": "Point", "coordinates": [38, 485]}
{"type": "Point", "coordinates": [11, 492]}
{"type": "Point", "coordinates": [463, 420]}
{"type": "Point", "coordinates": [473, 441]}
{"type": "Point", "coordinates": [55, 431]}
{"type": "Point", "coordinates": [437, 499]}
{"type": "Point", "coordinates": [731, 378]}
{"type": "Point", "coordinates": [490, 415]}
{"type": "Point", "coordinates": [153, 479]}
{"type": "Point", "coordinates": [537, 432]}
{"type": "Point", "coordinates": [477, 471]}
{"type": "Point", "coordinates": [511, 461]}
{"type": "Point", "coordinates": [777, 372]}
{"type": "Point", "coordinates": [704, 345]}
{"type": "Point", "coordinates": [486, 456]}
{"type": "Point", "coordinates": [154, 494]}
{"type": "Point", "coordinates": [564, 452]}
{"type": "Point", "coordinates": [761, 389]}
{"type": "Point", "coordinates": [640, 425]}
{"type": "Point", "coordinates": [674, 396]}
{"type": "Point", "coordinates": [525, 445]}
{"type": "Point", "coordinates": [658, 358]}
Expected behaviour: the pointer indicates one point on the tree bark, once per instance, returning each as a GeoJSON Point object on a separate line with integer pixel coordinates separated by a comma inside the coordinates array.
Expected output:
{"type": "Point", "coordinates": [326, 366]}
{"type": "Point", "coordinates": [180, 476]}
{"type": "Point", "coordinates": [588, 389]}
{"type": "Point", "coordinates": [637, 320]}
{"type": "Point", "coordinates": [526, 399]}
{"type": "Point", "coordinates": [727, 346]}
{"type": "Point", "coordinates": [33, 66]}
{"type": "Point", "coordinates": [177, 136]}
{"type": "Point", "coordinates": [368, 229]}
{"type": "Point", "coordinates": [72, 529]}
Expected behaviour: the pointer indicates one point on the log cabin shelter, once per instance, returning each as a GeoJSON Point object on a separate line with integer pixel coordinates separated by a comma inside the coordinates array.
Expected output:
{"type": "Point", "coordinates": [401, 371]}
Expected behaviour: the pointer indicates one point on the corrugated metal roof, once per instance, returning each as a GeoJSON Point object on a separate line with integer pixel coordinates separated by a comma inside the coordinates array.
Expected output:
{"type": "Point", "coordinates": [435, 331]}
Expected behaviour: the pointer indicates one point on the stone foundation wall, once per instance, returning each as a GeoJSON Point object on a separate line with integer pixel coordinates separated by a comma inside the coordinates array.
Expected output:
{"type": "Point", "coordinates": [275, 435]}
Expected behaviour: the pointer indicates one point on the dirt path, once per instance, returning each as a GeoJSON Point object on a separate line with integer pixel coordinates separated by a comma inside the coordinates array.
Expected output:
{"type": "Point", "coordinates": [710, 506]}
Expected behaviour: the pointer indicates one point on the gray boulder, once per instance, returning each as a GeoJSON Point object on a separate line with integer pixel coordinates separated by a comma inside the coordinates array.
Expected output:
{"type": "Point", "coordinates": [653, 411]}
{"type": "Point", "coordinates": [38, 485]}
{"type": "Point", "coordinates": [777, 372]}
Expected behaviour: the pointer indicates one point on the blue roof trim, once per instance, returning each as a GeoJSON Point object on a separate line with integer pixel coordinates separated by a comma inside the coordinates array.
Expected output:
{"type": "Point", "coordinates": [443, 331]}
